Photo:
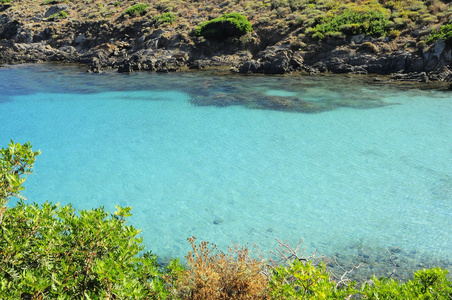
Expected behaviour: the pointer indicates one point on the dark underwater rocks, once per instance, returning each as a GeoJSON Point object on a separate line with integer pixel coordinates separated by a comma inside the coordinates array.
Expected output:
{"type": "Point", "coordinates": [260, 101]}
{"type": "Point", "coordinates": [358, 103]}
{"type": "Point", "coordinates": [218, 221]}
{"type": "Point", "coordinates": [257, 100]}
{"type": "Point", "coordinates": [219, 100]}
{"type": "Point", "coordinates": [392, 261]}
{"type": "Point", "coordinates": [442, 189]}
{"type": "Point", "coordinates": [293, 104]}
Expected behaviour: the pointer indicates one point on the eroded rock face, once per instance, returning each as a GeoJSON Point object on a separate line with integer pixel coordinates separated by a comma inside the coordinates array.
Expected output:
{"type": "Point", "coordinates": [364, 58]}
{"type": "Point", "coordinates": [136, 46]}
{"type": "Point", "coordinates": [275, 60]}
{"type": "Point", "coordinates": [35, 52]}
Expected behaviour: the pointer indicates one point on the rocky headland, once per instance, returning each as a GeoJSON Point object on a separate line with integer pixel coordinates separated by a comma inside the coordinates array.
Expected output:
{"type": "Point", "coordinates": [412, 41]}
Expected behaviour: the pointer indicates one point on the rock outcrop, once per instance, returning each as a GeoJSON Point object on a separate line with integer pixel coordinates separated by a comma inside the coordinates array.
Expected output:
{"type": "Point", "coordinates": [134, 46]}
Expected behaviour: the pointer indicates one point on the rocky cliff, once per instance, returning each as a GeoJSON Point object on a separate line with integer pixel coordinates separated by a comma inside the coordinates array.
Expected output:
{"type": "Point", "coordinates": [286, 36]}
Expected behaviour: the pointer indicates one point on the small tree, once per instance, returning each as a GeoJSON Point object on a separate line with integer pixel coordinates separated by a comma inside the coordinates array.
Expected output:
{"type": "Point", "coordinates": [50, 252]}
{"type": "Point", "coordinates": [15, 161]}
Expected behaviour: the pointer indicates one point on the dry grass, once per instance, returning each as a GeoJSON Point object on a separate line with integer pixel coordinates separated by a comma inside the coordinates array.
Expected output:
{"type": "Point", "coordinates": [193, 10]}
{"type": "Point", "coordinates": [212, 274]}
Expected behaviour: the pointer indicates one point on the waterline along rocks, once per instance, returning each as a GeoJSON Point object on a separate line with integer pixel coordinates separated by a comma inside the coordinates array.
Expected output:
{"type": "Point", "coordinates": [409, 40]}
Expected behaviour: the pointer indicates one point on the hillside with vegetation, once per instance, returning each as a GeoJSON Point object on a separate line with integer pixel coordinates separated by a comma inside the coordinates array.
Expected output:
{"type": "Point", "coordinates": [269, 36]}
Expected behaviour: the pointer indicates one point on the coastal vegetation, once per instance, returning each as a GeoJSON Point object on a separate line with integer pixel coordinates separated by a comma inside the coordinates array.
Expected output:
{"type": "Point", "coordinates": [137, 9]}
{"type": "Point", "coordinates": [302, 19]}
{"type": "Point", "coordinates": [51, 251]}
{"type": "Point", "coordinates": [228, 25]}
{"type": "Point", "coordinates": [60, 15]}
{"type": "Point", "coordinates": [167, 17]}
{"type": "Point", "coordinates": [249, 36]}
{"type": "Point", "coordinates": [444, 32]}
{"type": "Point", "coordinates": [369, 21]}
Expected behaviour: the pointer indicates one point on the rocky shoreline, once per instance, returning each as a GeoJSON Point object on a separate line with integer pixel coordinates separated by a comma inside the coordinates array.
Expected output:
{"type": "Point", "coordinates": [102, 45]}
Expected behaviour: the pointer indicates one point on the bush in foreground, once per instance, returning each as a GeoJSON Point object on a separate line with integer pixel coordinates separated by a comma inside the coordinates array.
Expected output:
{"type": "Point", "coordinates": [212, 274]}
{"type": "Point", "coordinates": [49, 252]}
{"type": "Point", "coordinates": [427, 284]}
{"type": "Point", "coordinates": [303, 280]}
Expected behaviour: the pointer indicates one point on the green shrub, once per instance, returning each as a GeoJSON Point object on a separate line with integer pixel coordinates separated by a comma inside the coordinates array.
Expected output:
{"type": "Point", "coordinates": [60, 15]}
{"type": "Point", "coordinates": [335, 35]}
{"type": "Point", "coordinates": [137, 9]}
{"type": "Point", "coordinates": [401, 22]}
{"type": "Point", "coordinates": [350, 28]}
{"type": "Point", "coordinates": [49, 251]}
{"type": "Point", "coordinates": [228, 25]}
{"type": "Point", "coordinates": [444, 32]}
{"type": "Point", "coordinates": [430, 19]}
{"type": "Point", "coordinates": [352, 21]}
{"type": "Point", "coordinates": [394, 33]}
{"type": "Point", "coordinates": [303, 280]}
{"type": "Point", "coordinates": [318, 35]}
{"type": "Point", "coordinates": [15, 161]}
{"type": "Point", "coordinates": [168, 17]}
{"type": "Point", "coordinates": [5, 1]}
{"type": "Point", "coordinates": [427, 284]}
{"type": "Point", "coordinates": [412, 15]}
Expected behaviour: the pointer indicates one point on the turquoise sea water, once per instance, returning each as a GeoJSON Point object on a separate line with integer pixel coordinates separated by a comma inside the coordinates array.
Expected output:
{"type": "Point", "coordinates": [358, 168]}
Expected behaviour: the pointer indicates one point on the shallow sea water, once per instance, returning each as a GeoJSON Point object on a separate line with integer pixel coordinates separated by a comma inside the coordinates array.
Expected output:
{"type": "Point", "coordinates": [351, 167]}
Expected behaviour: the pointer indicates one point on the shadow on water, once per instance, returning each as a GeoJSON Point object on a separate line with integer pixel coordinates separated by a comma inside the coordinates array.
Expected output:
{"type": "Point", "coordinates": [442, 189]}
{"type": "Point", "coordinates": [303, 94]}
{"type": "Point", "coordinates": [293, 95]}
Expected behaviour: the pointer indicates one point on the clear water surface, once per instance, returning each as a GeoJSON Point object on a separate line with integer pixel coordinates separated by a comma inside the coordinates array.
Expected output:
{"type": "Point", "coordinates": [353, 168]}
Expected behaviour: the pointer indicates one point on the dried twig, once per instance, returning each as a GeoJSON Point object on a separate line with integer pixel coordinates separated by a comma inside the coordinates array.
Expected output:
{"type": "Point", "coordinates": [286, 254]}
{"type": "Point", "coordinates": [394, 264]}
{"type": "Point", "coordinates": [342, 279]}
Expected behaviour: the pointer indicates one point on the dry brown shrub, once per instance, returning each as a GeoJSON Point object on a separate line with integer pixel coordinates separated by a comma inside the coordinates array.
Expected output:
{"type": "Point", "coordinates": [437, 6]}
{"type": "Point", "coordinates": [212, 274]}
